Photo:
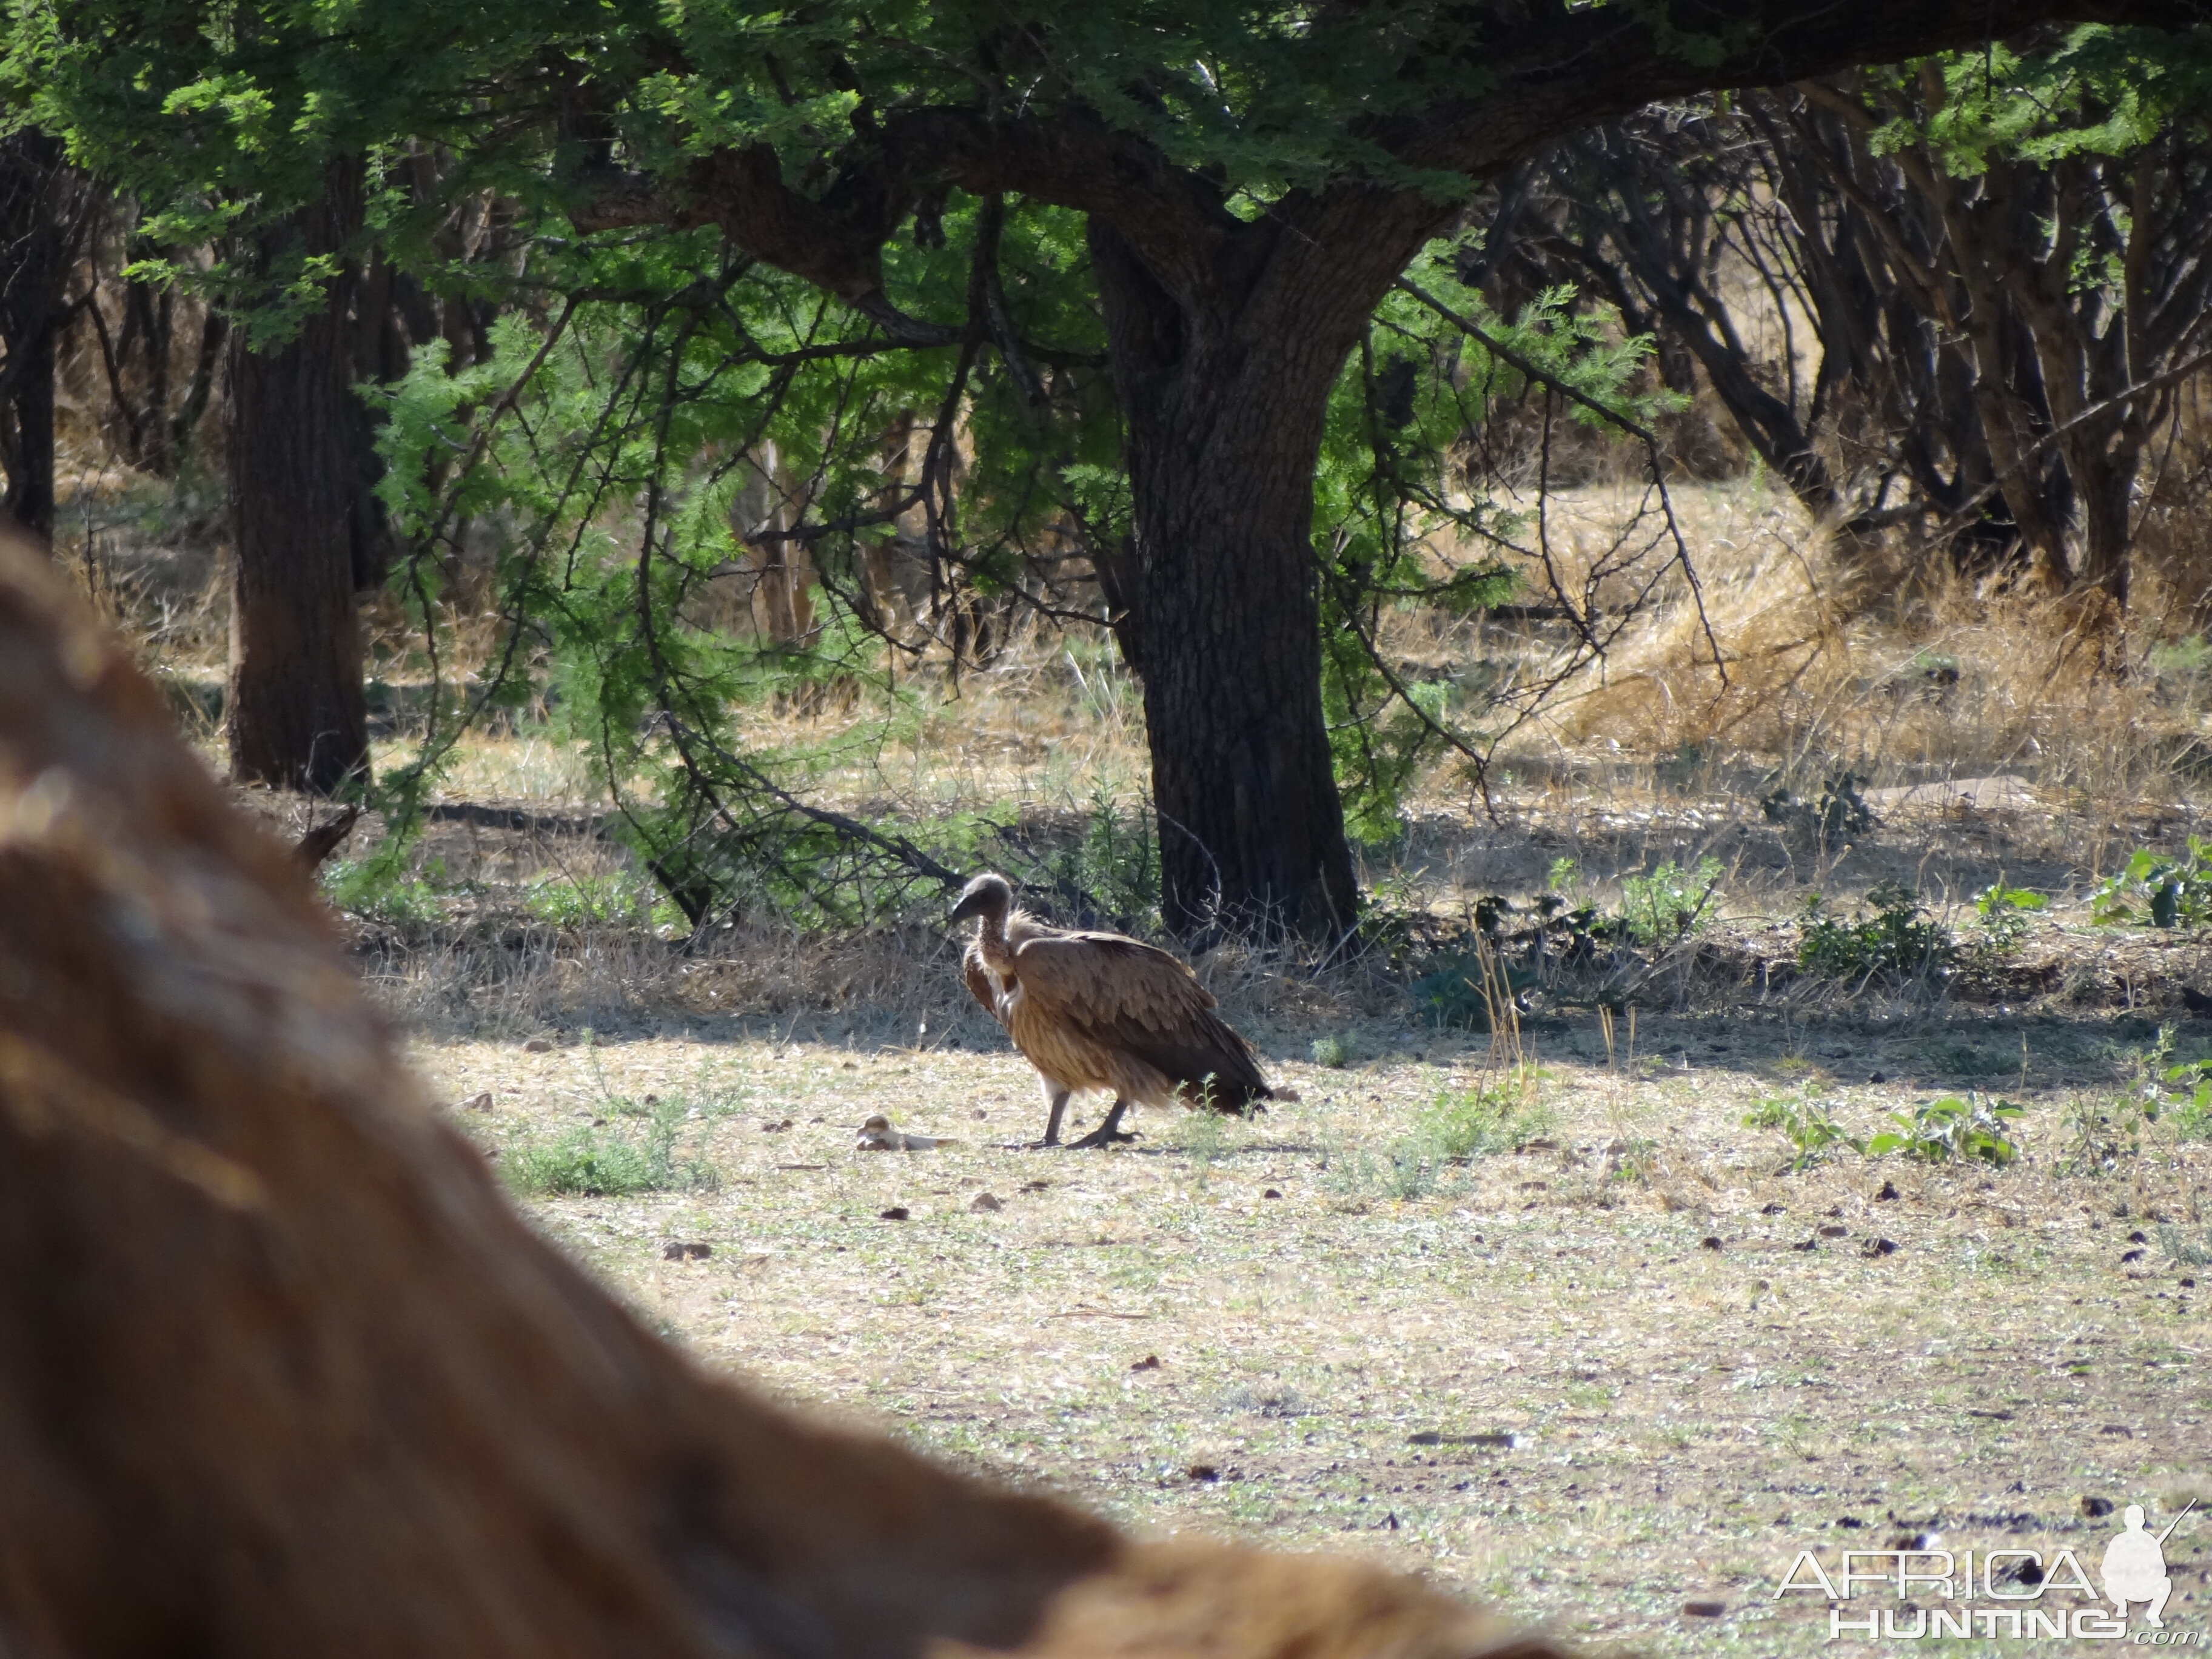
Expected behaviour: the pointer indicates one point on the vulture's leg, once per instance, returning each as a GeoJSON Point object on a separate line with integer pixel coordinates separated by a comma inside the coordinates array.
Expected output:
{"type": "Point", "coordinates": [1108, 1132]}
{"type": "Point", "coordinates": [1052, 1121]}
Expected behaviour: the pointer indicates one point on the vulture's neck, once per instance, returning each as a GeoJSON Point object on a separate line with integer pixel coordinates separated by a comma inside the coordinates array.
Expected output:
{"type": "Point", "coordinates": [997, 956]}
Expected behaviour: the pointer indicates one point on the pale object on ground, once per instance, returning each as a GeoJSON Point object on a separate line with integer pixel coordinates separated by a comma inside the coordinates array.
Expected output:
{"type": "Point", "coordinates": [877, 1135]}
{"type": "Point", "coordinates": [2007, 791]}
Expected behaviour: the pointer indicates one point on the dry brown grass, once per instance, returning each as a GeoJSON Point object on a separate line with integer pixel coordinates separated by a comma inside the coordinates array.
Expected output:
{"type": "Point", "coordinates": [1901, 676]}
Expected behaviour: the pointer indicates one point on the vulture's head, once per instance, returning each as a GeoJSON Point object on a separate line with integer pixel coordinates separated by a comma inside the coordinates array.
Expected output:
{"type": "Point", "coordinates": [986, 896]}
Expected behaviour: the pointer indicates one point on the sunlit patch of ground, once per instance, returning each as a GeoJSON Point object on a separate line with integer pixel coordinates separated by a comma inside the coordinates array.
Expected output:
{"type": "Point", "coordinates": [1337, 1365]}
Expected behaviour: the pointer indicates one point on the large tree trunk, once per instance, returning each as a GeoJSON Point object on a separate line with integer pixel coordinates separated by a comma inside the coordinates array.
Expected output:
{"type": "Point", "coordinates": [281, 1374]}
{"type": "Point", "coordinates": [1218, 598]}
{"type": "Point", "coordinates": [43, 211]}
{"type": "Point", "coordinates": [296, 716]}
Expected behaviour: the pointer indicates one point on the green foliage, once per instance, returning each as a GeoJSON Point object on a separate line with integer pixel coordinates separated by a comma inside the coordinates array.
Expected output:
{"type": "Point", "coordinates": [1887, 937]}
{"type": "Point", "coordinates": [1116, 865]}
{"type": "Point", "coordinates": [1973, 1130]}
{"type": "Point", "coordinates": [1804, 1121]}
{"type": "Point", "coordinates": [1334, 1052]}
{"type": "Point", "coordinates": [1392, 500]}
{"type": "Point", "coordinates": [614, 899]}
{"type": "Point", "coordinates": [582, 1161]}
{"type": "Point", "coordinates": [2186, 1107]}
{"type": "Point", "coordinates": [1668, 903]}
{"type": "Point", "coordinates": [1470, 986]}
{"type": "Point", "coordinates": [1498, 1117]}
{"type": "Point", "coordinates": [2003, 912]}
{"type": "Point", "coordinates": [383, 888]}
{"type": "Point", "coordinates": [2157, 889]}
{"type": "Point", "coordinates": [611, 458]}
{"type": "Point", "coordinates": [1969, 1131]}
{"type": "Point", "coordinates": [605, 1161]}
{"type": "Point", "coordinates": [2098, 91]}
{"type": "Point", "coordinates": [1456, 1128]}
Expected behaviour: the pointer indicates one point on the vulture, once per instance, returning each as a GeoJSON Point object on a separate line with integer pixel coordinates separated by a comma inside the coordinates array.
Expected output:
{"type": "Point", "coordinates": [1098, 1010]}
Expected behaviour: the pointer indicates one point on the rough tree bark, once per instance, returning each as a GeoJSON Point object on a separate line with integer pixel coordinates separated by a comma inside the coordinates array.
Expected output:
{"type": "Point", "coordinates": [1225, 334]}
{"type": "Point", "coordinates": [281, 1374]}
{"type": "Point", "coordinates": [46, 210]}
{"type": "Point", "coordinates": [296, 716]}
{"type": "Point", "coordinates": [1218, 596]}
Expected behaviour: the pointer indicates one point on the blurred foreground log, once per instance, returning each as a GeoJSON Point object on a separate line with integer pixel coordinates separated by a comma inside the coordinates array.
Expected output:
{"type": "Point", "coordinates": [281, 1373]}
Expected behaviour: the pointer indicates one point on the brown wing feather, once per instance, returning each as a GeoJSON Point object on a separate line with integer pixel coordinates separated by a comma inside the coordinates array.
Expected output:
{"type": "Point", "coordinates": [982, 983]}
{"type": "Point", "coordinates": [1139, 999]}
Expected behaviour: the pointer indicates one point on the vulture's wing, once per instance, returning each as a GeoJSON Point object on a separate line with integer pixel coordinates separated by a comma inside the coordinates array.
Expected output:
{"type": "Point", "coordinates": [982, 983]}
{"type": "Point", "coordinates": [1141, 999]}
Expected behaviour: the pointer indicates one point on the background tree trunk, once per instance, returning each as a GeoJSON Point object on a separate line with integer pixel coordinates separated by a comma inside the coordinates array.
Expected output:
{"type": "Point", "coordinates": [45, 210]}
{"type": "Point", "coordinates": [296, 716]}
{"type": "Point", "coordinates": [1221, 614]}
{"type": "Point", "coordinates": [281, 1374]}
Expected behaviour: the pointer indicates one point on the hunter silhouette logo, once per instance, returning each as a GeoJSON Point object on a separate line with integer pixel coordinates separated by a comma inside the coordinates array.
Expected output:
{"type": "Point", "coordinates": [1933, 1592]}
{"type": "Point", "coordinates": [2134, 1567]}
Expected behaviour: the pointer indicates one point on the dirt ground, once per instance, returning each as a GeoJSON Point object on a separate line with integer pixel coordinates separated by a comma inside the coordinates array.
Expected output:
{"type": "Point", "coordinates": [1624, 1372]}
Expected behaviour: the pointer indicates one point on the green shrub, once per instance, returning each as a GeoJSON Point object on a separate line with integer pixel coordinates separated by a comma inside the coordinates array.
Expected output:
{"type": "Point", "coordinates": [1972, 1131]}
{"type": "Point", "coordinates": [2003, 912]}
{"type": "Point", "coordinates": [1470, 1123]}
{"type": "Point", "coordinates": [2156, 889]}
{"type": "Point", "coordinates": [1889, 936]}
{"type": "Point", "coordinates": [613, 899]}
{"type": "Point", "coordinates": [1334, 1052]}
{"type": "Point", "coordinates": [1670, 903]}
{"type": "Point", "coordinates": [2181, 1250]}
{"type": "Point", "coordinates": [380, 888]}
{"type": "Point", "coordinates": [602, 1161]}
{"type": "Point", "coordinates": [1834, 815]}
{"type": "Point", "coordinates": [1804, 1121]}
{"type": "Point", "coordinates": [1969, 1131]}
{"type": "Point", "coordinates": [1454, 1128]}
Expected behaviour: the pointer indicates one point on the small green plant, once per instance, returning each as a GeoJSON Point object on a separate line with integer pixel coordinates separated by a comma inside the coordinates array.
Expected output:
{"type": "Point", "coordinates": [1889, 936]}
{"type": "Point", "coordinates": [1205, 1142]}
{"type": "Point", "coordinates": [380, 888]}
{"type": "Point", "coordinates": [2187, 1105]}
{"type": "Point", "coordinates": [1509, 950]}
{"type": "Point", "coordinates": [582, 1161]}
{"type": "Point", "coordinates": [601, 1161]}
{"type": "Point", "coordinates": [615, 898]}
{"type": "Point", "coordinates": [1968, 1131]}
{"type": "Point", "coordinates": [1470, 1123]}
{"type": "Point", "coordinates": [1117, 862]}
{"type": "Point", "coordinates": [2175, 1095]}
{"type": "Point", "coordinates": [2189, 655]}
{"type": "Point", "coordinates": [1334, 1052]}
{"type": "Point", "coordinates": [1804, 1121]}
{"type": "Point", "coordinates": [1670, 903]}
{"type": "Point", "coordinates": [2104, 1133]}
{"type": "Point", "coordinates": [2003, 912]}
{"type": "Point", "coordinates": [2157, 889]}
{"type": "Point", "coordinates": [1454, 1128]}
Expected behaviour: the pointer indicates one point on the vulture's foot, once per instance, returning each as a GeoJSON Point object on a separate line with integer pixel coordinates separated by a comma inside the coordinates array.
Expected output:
{"type": "Point", "coordinates": [1107, 1132]}
{"type": "Point", "coordinates": [1103, 1136]}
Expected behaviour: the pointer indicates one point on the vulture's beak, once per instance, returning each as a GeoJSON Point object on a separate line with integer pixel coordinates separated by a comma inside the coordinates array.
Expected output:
{"type": "Point", "coordinates": [971, 905]}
